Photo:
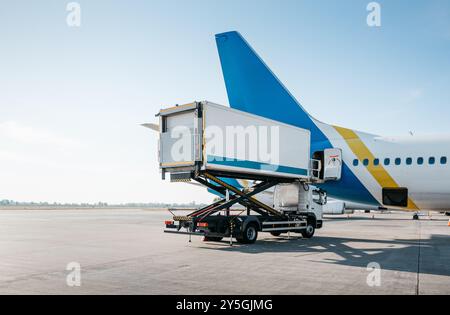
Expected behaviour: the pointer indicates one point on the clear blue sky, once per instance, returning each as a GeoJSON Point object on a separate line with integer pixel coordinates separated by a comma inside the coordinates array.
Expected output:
{"type": "Point", "coordinates": [72, 99]}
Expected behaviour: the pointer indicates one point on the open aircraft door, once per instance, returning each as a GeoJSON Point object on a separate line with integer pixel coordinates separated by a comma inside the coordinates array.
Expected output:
{"type": "Point", "coordinates": [332, 164]}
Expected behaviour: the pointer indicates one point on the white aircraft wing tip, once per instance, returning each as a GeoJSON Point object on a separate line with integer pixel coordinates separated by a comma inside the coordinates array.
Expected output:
{"type": "Point", "coordinates": [153, 127]}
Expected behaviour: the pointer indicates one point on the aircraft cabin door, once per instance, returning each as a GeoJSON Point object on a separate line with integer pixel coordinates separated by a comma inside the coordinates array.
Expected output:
{"type": "Point", "coordinates": [332, 164]}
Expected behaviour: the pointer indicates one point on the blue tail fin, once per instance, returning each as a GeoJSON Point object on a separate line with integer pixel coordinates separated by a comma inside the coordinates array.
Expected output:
{"type": "Point", "coordinates": [252, 87]}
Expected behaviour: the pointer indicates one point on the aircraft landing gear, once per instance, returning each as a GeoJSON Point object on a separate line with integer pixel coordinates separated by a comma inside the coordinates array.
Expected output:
{"type": "Point", "coordinates": [416, 217]}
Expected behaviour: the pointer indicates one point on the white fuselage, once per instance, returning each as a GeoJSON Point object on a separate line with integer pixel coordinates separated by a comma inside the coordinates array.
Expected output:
{"type": "Point", "coordinates": [419, 163]}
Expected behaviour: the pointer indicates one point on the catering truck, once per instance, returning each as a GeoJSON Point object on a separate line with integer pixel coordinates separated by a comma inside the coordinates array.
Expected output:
{"type": "Point", "coordinates": [217, 146]}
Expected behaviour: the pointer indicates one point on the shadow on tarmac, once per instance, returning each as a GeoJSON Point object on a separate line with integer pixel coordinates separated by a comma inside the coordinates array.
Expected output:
{"type": "Point", "coordinates": [429, 256]}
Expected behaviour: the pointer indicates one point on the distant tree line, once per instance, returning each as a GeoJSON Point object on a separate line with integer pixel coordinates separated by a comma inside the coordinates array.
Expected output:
{"type": "Point", "coordinates": [10, 203]}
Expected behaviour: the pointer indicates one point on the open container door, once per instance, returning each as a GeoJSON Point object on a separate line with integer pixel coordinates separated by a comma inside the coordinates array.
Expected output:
{"type": "Point", "coordinates": [180, 137]}
{"type": "Point", "coordinates": [332, 164]}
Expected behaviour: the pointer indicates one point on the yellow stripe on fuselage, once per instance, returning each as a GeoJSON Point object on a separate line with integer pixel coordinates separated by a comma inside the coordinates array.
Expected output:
{"type": "Point", "coordinates": [362, 152]}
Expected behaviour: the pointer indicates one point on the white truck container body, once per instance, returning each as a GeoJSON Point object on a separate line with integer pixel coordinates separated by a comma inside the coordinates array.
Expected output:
{"type": "Point", "coordinates": [214, 145]}
{"type": "Point", "coordinates": [218, 138]}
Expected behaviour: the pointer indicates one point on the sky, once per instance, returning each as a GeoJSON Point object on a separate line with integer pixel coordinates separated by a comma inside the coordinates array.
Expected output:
{"type": "Point", "coordinates": [72, 98]}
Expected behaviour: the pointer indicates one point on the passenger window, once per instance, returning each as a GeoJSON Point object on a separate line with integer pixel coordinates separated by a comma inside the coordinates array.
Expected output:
{"type": "Point", "coordinates": [398, 161]}
{"type": "Point", "coordinates": [387, 162]}
{"type": "Point", "coordinates": [408, 161]}
{"type": "Point", "coordinates": [355, 162]}
{"type": "Point", "coordinates": [431, 160]}
{"type": "Point", "coordinates": [376, 162]}
{"type": "Point", "coordinates": [443, 160]}
{"type": "Point", "coordinates": [366, 162]}
{"type": "Point", "coordinates": [420, 161]}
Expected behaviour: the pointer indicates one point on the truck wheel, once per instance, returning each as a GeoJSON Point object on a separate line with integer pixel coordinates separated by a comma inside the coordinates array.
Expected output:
{"type": "Point", "coordinates": [249, 235]}
{"type": "Point", "coordinates": [309, 231]}
{"type": "Point", "coordinates": [276, 234]}
{"type": "Point", "coordinates": [212, 239]}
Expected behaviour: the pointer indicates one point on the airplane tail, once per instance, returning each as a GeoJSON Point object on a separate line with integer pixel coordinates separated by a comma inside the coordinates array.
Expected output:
{"type": "Point", "coordinates": [252, 87]}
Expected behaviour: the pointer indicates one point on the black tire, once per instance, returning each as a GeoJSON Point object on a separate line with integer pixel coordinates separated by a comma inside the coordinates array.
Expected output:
{"type": "Point", "coordinates": [249, 235]}
{"type": "Point", "coordinates": [309, 231]}
{"type": "Point", "coordinates": [276, 234]}
{"type": "Point", "coordinates": [212, 239]}
{"type": "Point", "coordinates": [416, 217]}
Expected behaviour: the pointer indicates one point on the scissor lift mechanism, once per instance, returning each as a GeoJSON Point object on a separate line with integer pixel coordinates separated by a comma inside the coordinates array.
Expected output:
{"type": "Point", "coordinates": [204, 222]}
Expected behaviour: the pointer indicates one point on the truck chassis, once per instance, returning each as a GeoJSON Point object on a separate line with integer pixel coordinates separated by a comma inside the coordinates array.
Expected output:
{"type": "Point", "coordinates": [214, 225]}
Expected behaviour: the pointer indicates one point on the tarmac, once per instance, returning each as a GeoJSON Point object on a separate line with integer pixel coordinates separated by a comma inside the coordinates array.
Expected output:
{"type": "Point", "coordinates": [125, 251]}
